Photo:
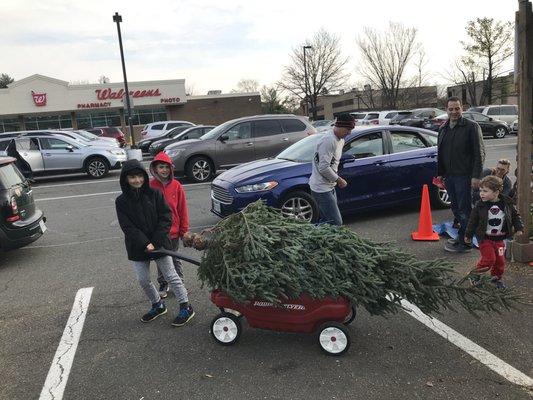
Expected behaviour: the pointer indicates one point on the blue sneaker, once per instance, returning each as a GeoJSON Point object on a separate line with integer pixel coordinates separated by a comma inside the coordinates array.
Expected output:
{"type": "Point", "coordinates": [156, 310]}
{"type": "Point", "coordinates": [184, 316]}
{"type": "Point", "coordinates": [498, 283]}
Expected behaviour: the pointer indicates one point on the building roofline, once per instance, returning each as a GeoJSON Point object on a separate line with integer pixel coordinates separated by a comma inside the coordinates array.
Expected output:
{"type": "Point", "coordinates": [223, 95]}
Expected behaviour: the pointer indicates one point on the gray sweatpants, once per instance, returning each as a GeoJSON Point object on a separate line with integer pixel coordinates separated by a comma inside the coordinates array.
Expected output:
{"type": "Point", "coordinates": [165, 265]}
{"type": "Point", "coordinates": [177, 264]}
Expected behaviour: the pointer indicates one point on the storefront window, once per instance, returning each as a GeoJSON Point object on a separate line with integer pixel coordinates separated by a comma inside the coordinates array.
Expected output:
{"type": "Point", "coordinates": [9, 125]}
{"type": "Point", "coordinates": [87, 120]}
{"type": "Point", "coordinates": [48, 122]}
{"type": "Point", "coordinates": [149, 115]}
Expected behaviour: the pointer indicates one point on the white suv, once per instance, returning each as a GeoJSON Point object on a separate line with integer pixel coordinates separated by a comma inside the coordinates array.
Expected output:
{"type": "Point", "coordinates": [156, 129]}
{"type": "Point", "coordinates": [505, 112]}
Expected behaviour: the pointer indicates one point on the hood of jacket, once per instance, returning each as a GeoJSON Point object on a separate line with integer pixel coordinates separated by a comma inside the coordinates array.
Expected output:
{"type": "Point", "coordinates": [161, 157]}
{"type": "Point", "coordinates": [127, 167]}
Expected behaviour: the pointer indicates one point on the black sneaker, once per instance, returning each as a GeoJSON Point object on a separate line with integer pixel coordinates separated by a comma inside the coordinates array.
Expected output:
{"type": "Point", "coordinates": [457, 248]}
{"type": "Point", "coordinates": [453, 241]}
{"type": "Point", "coordinates": [184, 316]}
{"type": "Point", "coordinates": [475, 280]}
{"type": "Point", "coordinates": [498, 283]}
{"type": "Point", "coordinates": [163, 290]}
{"type": "Point", "coordinates": [155, 311]}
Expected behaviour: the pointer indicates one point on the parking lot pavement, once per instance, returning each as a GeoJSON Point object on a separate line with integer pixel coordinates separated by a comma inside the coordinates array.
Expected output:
{"type": "Point", "coordinates": [119, 357]}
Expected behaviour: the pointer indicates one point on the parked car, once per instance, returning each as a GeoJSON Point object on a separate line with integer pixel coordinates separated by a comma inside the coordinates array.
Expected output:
{"type": "Point", "coordinates": [384, 166]}
{"type": "Point", "coordinates": [145, 144]}
{"type": "Point", "coordinates": [418, 116]}
{"type": "Point", "coordinates": [505, 112]}
{"type": "Point", "coordinates": [489, 126]}
{"type": "Point", "coordinates": [379, 117]}
{"type": "Point", "coordinates": [322, 123]}
{"type": "Point", "coordinates": [194, 132]}
{"type": "Point", "coordinates": [400, 116]}
{"type": "Point", "coordinates": [21, 222]}
{"type": "Point", "coordinates": [47, 153]}
{"type": "Point", "coordinates": [358, 116]}
{"type": "Point", "coordinates": [235, 142]}
{"type": "Point", "coordinates": [111, 132]}
{"type": "Point", "coordinates": [514, 127]}
{"type": "Point", "coordinates": [156, 129]}
{"type": "Point", "coordinates": [85, 138]}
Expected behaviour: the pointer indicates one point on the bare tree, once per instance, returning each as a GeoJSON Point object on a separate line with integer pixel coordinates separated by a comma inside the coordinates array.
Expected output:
{"type": "Point", "coordinates": [190, 89]}
{"type": "Point", "coordinates": [467, 74]}
{"type": "Point", "coordinates": [324, 65]}
{"type": "Point", "coordinates": [272, 101]}
{"type": "Point", "coordinates": [490, 45]}
{"type": "Point", "coordinates": [103, 79]}
{"type": "Point", "coordinates": [5, 80]}
{"type": "Point", "coordinates": [385, 56]}
{"type": "Point", "coordinates": [246, 86]}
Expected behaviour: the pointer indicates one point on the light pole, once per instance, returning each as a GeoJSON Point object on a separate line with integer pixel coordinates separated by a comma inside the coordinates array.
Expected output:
{"type": "Point", "coordinates": [118, 19]}
{"type": "Point", "coordinates": [305, 78]}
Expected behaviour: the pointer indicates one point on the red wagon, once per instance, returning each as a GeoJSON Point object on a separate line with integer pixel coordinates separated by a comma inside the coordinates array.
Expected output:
{"type": "Point", "coordinates": [327, 317]}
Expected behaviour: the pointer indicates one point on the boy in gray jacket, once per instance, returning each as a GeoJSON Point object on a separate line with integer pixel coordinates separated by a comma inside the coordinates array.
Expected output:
{"type": "Point", "coordinates": [324, 177]}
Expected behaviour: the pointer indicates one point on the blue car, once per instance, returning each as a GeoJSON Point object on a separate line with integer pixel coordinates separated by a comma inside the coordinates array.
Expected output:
{"type": "Point", "coordinates": [383, 165]}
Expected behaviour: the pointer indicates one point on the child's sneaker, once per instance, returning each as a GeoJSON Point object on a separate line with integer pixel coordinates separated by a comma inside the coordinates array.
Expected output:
{"type": "Point", "coordinates": [498, 283]}
{"type": "Point", "coordinates": [163, 290]}
{"type": "Point", "coordinates": [475, 280]}
{"type": "Point", "coordinates": [156, 310]}
{"type": "Point", "coordinates": [184, 316]}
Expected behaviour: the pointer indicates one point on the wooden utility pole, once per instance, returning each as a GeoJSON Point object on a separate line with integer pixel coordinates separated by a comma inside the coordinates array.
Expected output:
{"type": "Point", "coordinates": [523, 250]}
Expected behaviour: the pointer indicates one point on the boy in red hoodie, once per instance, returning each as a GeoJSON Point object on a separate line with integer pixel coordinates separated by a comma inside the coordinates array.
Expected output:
{"type": "Point", "coordinates": [163, 180]}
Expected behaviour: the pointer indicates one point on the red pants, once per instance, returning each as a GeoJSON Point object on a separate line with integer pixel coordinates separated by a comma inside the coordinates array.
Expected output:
{"type": "Point", "coordinates": [492, 257]}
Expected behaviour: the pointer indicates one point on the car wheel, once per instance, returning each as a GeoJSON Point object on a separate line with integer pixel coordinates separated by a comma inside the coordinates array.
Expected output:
{"type": "Point", "coordinates": [200, 169]}
{"type": "Point", "coordinates": [97, 167]}
{"type": "Point", "coordinates": [299, 205]}
{"type": "Point", "coordinates": [500, 132]}
{"type": "Point", "coordinates": [440, 198]}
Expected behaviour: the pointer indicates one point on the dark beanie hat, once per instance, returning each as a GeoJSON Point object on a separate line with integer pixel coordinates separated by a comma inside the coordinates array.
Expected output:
{"type": "Point", "coordinates": [345, 121]}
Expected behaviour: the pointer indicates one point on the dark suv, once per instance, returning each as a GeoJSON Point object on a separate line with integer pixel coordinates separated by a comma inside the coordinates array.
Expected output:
{"type": "Point", "coordinates": [110, 131]}
{"type": "Point", "coordinates": [20, 222]}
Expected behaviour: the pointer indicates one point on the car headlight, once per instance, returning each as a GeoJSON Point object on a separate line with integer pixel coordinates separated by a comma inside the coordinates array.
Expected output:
{"type": "Point", "coordinates": [174, 152]}
{"type": "Point", "coordinates": [117, 152]}
{"type": "Point", "coordinates": [258, 187]}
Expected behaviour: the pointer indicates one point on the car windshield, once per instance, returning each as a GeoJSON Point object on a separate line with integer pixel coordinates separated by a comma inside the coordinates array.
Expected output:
{"type": "Point", "coordinates": [216, 131]}
{"type": "Point", "coordinates": [301, 151]}
{"type": "Point", "coordinates": [87, 135]}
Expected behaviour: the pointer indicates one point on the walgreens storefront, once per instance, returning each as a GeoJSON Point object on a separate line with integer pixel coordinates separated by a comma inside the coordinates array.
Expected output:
{"type": "Point", "coordinates": [41, 102]}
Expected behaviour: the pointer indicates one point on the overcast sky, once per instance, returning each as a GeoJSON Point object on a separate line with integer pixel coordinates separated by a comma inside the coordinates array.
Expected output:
{"type": "Point", "coordinates": [214, 44]}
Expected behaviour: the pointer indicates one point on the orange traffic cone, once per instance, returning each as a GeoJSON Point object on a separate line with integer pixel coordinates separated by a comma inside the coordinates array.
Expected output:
{"type": "Point", "coordinates": [425, 224]}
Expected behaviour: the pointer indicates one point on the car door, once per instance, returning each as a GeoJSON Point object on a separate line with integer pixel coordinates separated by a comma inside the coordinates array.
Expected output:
{"type": "Point", "coordinates": [508, 114]}
{"type": "Point", "coordinates": [58, 154]}
{"type": "Point", "coordinates": [364, 166]}
{"type": "Point", "coordinates": [235, 145]}
{"type": "Point", "coordinates": [269, 138]}
{"type": "Point", "coordinates": [29, 150]}
{"type": "Point", "coordinates": [412, 163]}
{"type": "Point", "coordinates": [484, 122]}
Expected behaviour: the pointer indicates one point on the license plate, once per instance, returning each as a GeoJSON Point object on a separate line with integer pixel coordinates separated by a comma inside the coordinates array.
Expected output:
{"type": "Point", "coordinates": [216, 206]}
{"type": "Point", "coordinates": [43, 226]}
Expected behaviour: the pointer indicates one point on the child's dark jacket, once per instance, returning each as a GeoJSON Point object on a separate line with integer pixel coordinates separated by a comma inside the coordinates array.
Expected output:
{"type": "Point", "coordinates": [478, 219]}
{"type": "Point", "coordinates": [143, 215]}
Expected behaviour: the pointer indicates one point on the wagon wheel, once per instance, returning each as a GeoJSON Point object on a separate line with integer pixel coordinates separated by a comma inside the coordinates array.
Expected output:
{"type": "Point", "coordinates": [333, 338]}
{"type": "Point", "coordinates": [350, 317]}
{"type": "Point", "coordinates": [226, 329]}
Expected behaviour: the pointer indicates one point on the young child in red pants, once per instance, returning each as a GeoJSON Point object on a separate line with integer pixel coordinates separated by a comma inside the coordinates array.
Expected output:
{"type": "Point", "coordinates": [493, 219]}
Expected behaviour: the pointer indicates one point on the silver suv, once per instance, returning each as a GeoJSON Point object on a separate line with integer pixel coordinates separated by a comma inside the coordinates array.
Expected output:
{"type": "Point", "coordinates": [47, 152]}
{"type": "Point", "coordinates": [235, 142]}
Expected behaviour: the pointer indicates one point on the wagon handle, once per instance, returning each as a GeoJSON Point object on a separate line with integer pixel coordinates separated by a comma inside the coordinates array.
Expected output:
{"type": "Point", "coordinates": [176, 254]}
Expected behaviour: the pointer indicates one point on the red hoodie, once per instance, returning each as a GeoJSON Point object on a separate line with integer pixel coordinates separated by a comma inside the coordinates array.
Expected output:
{"type": "Point", "coordinates": [174, 196]}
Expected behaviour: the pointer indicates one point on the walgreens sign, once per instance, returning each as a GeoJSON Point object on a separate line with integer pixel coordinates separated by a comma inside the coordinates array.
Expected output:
{"type": "Point", "coordinates": [109, 94]}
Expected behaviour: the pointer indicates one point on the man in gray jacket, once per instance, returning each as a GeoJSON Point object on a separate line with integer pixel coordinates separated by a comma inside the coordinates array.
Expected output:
{"type": "Point", "coordinates": [324, 177]}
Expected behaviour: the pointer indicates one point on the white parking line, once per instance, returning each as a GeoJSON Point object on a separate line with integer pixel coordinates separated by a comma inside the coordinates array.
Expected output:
{"type": "Point", "coordinates": [56, 381]}
{"type": "Point", "coordinates": [479, 353]}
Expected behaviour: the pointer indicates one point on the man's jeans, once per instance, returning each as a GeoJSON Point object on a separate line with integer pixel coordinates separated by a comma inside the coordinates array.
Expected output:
{"type": "Point", "coordinates": [329, 210]}
{"type": "Point", "coordinates": [459, 189]}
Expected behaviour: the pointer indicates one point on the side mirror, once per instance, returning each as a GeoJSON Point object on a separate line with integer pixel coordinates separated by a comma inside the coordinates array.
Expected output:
{"type": "Point", "coordinates": [70, 148]}
{"type": "Point", "coordinates": [491, 119]}
{"type": "Point", "coordinates": [224, 138]}
{"type": "Point", "coordinates": [346, 158]}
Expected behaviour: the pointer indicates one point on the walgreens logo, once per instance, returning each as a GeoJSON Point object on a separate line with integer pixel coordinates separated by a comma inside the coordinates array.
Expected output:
{"type": "Point", "coordinates": [39, 98]}
{"type": "Point", "coordinates": [109, 94]}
